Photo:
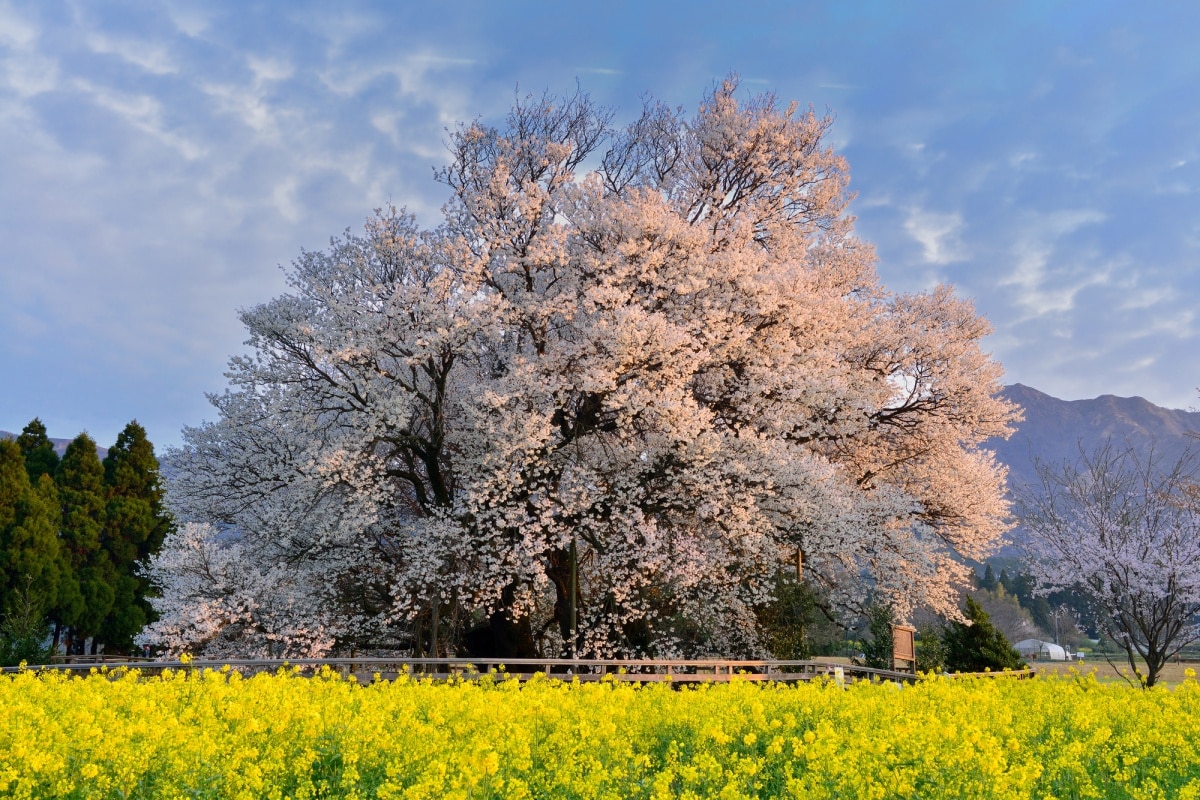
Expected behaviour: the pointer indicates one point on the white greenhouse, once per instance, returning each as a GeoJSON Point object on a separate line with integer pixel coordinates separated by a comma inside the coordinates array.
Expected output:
{"type": "Point", "coordinates": [1043, 651]}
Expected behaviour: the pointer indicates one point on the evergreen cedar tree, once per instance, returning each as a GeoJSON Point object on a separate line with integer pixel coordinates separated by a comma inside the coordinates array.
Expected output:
{"type": "Point", "coordinates": [38, 451]}
{"type": "Point", "coordinates": [30, 559]}
{"type": "Point", "coordinates": [594, 412]}
{"type": "Point", "coordinates": [88, 592]}
{"type": "Point", "coordinates": [977, 646]}
{"type": "Point", "coordinates": [72, 543]}
{"type": "Point", "coordinates": [879, 647]}
{"type": "Point", "coordinates": [1122, 527]}
{"type": "Point", "coordinates": [136, 524]}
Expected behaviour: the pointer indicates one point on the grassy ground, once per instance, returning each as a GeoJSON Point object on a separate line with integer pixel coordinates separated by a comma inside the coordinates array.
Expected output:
{"type": "Point", "coordinates": [1171, 674]}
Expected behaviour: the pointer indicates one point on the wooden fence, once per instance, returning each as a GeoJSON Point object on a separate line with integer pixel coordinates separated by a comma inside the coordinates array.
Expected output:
{"type": "Point", "coordinates": [640, 671]}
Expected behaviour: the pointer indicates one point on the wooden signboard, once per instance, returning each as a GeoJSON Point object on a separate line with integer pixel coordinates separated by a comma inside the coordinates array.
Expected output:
{"type": "Point", "coordinates": [904, 650]}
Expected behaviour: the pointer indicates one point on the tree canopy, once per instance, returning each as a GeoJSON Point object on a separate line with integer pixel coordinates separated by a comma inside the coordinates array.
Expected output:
{"type": "Point", "coordinates": [1123, 528]}
{"type": "Point", "coordinates": [30, 560]}
{"type": "Point", "coordinates": [40, 455]}
{"type": "Point", "coordinates": [75, 536]}
{"type": "Point", "coordinates": [135, 525]}
{"type": "Point", "coordinates": [633, 375]}
{"type": "Point", "coordinates": [88, 589]}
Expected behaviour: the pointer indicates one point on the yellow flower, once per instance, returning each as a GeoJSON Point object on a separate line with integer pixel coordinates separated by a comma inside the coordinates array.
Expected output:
{"type": "Point", "coordinates": [260, 735]}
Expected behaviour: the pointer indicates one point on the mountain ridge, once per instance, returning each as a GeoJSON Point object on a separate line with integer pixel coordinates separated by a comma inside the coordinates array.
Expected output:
{"type": "Point", "coordinates": [1055, 430]}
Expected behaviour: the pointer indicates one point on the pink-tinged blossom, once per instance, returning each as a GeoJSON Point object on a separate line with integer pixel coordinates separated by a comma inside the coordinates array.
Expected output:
{"type": "Point", "coordinates": [680, 366]}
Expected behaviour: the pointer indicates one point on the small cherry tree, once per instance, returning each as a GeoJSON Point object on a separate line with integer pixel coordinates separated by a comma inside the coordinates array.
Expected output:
{"type": "Point", "coordinates": [1124, 528]}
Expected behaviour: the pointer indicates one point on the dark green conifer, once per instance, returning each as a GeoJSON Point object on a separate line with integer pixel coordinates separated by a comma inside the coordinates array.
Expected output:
{"type": "Point", "coordinates": [877, 650]}
{"type": "Point", "coordinates": [80, 483]}
{"type": "Point", "coordinates": [38, 451]}
{"type": "Point", "coordinates": [978, 646]}
{"type": "Point", "coordinates": [988, 582]}
{"type": "Point", "coordinates": [30, 561]}
{"type": "Point", "coordinates": [136, 524]}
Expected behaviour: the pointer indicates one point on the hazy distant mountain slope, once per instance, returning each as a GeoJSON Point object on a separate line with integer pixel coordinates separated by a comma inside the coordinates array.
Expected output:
{"type": "Point", "coordinates": [1054, 430]}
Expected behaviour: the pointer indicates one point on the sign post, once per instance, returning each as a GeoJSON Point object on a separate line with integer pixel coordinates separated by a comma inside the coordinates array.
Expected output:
{"type": "Point", "coordinates": [904, 649]}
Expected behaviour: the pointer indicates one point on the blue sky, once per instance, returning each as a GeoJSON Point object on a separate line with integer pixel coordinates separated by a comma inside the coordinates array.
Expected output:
{"type": "Point", "coordinates": [161, 161]}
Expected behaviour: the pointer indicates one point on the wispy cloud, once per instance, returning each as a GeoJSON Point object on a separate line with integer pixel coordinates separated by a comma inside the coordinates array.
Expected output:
{"type": "Point", "coordinates": [267, 70]}
{"type": "Point", "coordinates": [188, 18]}
{"type": "Point", "coordinates": [245, 103]}
{"type": "Point", "coordinates": [413, 72]}
{"type": "Point", "coordinates": [16, 30]}
{"type": "Point", "coordinates": [1042, 289]}
{"type": "Point", "coordinates": [142, 112]}
{"type": "Point", "coordinates": [24, 69]}
{"type": "Point", "coordinates": [150, 56]}
{"type": "Point", "coordinates": [938, 234]}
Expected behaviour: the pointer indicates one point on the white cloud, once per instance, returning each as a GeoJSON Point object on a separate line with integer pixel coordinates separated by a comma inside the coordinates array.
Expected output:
{"type": "Point", "coordinates": [247, 104]}
{"type": "Point", "coordinates": [286, 200]}
{"type": "Point", "coordinates": [937, 233]}
{"type": "Point", "coordinates": [432, 95]}
{"type": "Point", "coordinates": [1179, 324]}
{"type": "Point", "coordinates": [339, 26]}
{"type": "Point", "coordinates": [269, 69]}
{"type": "Point", "coordinates": [413, 72]}
{"type": "Point", "coordinates": [141, 112]}
{"type": "Point", "coordinates": [1061, 223]}
{"type": "Point", "coordinates": [1145, 298]}
{"type": "Point", "coordinates": [188, 19]}
{"type": "Point", "coordinates": [876, 199]}
{"type": "Point", "coordinates": [28, 74]}
{"type": "Point", "coordinates": [1139, 364]}
{"type": "Point", "coordinates": [16, 31]}
{"type": "Point", "coordinates": [23, 70]}
{"type": "Point", "coordinates": [1018, 160]}
{"type": "Point", "coordinates": [153, 57]}
{"type": "Point", "coordinates": [398, 126]}
{"type": "Point", "coordinates": [910, 130]}
{"type": "Point", "coordinates": [1043, 289]}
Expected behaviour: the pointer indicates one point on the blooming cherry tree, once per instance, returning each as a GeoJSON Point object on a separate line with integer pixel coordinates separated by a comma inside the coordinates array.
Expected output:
{"type": "Point", "coordinates": [598, 411]}
{"type": "Point", "coordinates": [1125, 529]}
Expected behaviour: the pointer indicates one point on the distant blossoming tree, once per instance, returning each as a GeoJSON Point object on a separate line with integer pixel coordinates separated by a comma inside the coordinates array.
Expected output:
{"type": "Point", "coordinates": [596, 411]}
{"type": "Point", "coordinates": [1125, 529]}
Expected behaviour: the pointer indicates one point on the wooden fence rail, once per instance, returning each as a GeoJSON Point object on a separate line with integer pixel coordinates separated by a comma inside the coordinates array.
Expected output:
{"type": "Point", "coordinates": [635, 670]}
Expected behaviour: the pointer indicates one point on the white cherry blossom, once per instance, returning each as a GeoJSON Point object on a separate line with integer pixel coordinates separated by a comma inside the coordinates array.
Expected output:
{"type": "Point", "coordinates": [670, 376]}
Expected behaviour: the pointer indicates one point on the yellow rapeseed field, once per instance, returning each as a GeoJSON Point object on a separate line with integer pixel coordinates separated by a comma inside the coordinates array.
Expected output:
{"type": "Point", "coordinates": [217, 735]}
